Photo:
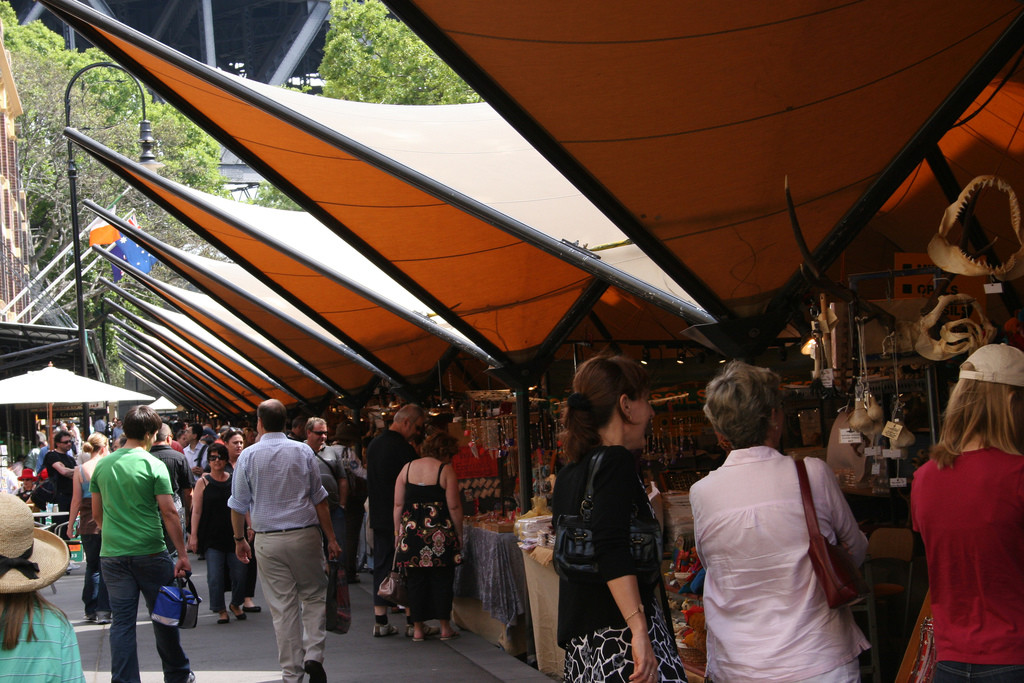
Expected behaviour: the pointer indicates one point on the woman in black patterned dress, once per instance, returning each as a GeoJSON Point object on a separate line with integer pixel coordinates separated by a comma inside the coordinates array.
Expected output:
{"type": "Point", "coordinates": [428, 527]}
{"type": "Point", "coordinates": [615, 629]}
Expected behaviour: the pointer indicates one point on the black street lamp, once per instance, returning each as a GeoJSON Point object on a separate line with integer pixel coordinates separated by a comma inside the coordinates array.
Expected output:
{"type": "Point", "coordinates": [146, 158]}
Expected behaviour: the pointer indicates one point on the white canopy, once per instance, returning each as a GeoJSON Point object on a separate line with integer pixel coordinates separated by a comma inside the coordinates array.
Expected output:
{"type": "Point", "coordinates": [53, 385]}
{"type": "Point", "coordinates": [162, 405]}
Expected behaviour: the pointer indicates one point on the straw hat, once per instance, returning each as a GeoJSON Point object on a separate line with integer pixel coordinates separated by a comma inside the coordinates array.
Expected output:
{"type": "Point", "coordinates": [19, 536]}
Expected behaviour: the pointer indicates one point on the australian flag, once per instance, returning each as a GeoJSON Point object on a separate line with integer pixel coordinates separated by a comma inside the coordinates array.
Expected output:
{"type": "Point", "coordinates": [127, 250]}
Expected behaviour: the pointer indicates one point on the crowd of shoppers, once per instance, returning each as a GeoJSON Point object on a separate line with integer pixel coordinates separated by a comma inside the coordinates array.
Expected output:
{"type": "Point", "coordinates": [286, 502]}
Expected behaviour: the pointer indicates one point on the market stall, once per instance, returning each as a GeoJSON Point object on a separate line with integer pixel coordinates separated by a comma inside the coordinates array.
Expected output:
{"type": "Point", "coordinates": [490, 587]}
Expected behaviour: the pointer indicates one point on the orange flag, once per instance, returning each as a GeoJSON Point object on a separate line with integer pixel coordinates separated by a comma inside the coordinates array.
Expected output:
{"type": "Point", "coordinates": [101, 232]}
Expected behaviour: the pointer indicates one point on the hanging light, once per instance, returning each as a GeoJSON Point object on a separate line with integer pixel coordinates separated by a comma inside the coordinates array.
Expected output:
{"type": "Point", "coordinates": [645, 356]}
{"type": "Point", "coordinates": [680, 356]}
{"type": "Point", "coordinates": [809, 347]}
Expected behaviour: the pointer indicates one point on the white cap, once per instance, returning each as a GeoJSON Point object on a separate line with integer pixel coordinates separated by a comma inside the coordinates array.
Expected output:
{"type": "Point", "coordinates": [997, 363]}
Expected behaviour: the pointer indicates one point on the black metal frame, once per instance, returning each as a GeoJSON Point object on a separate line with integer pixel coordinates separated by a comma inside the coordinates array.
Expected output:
{"type": "Point", "coordinates": [201, 363]}
{"type": "Point", "coordinates": [128, 353]}
{"type": "Point", "coordinates": [200, 316]}
{"type": "Point", "coordinates": [194, 371]}
{"type": "Point", "coordinates": [176, 263]}
{"type": "Point", "coordinates": [199, 346]}
{"type": "Point", "coordinates": [128, 170]}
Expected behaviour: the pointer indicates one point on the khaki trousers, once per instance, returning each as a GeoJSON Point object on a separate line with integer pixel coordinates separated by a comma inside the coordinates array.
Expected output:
{"type": "Point", "coordinates": [293, 574]}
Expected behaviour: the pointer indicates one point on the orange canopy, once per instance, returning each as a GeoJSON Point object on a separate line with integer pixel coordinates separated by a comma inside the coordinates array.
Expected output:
{"type": "Point", "coordinates": [679, 121]}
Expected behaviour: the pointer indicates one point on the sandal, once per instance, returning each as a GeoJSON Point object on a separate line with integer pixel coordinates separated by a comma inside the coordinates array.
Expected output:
{"type": "Point", "coordinates": [451, 636]}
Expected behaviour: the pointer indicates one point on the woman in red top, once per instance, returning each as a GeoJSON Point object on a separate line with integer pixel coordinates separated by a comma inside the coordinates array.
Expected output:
{"type": "Point", "coordinates": [968, 504]}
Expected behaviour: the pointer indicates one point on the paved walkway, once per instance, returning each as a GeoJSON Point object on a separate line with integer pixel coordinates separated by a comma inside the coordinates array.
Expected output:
{"type": "Point", "coordinates": [246, 651]}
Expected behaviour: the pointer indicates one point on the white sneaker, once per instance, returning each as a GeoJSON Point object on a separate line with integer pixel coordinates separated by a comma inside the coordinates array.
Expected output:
{"type": "Point", "coordinates": [382, 630]}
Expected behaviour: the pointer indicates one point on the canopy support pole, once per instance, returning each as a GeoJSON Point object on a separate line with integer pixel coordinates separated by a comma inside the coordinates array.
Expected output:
{"type": "Point", "coordinates": [523, 445]}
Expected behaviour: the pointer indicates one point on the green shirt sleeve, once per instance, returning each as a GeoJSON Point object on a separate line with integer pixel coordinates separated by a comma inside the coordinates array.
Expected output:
{"type": "Point", "coordinates": [162, 480]}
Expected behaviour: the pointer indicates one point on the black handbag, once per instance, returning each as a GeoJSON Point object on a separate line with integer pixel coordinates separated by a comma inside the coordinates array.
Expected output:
{"type": "Point", "coordinates": [574, 540]}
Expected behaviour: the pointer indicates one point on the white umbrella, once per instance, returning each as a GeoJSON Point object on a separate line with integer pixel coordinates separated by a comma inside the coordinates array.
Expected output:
{"type": "Point", "coordinates": [162, 405]}
{"type": "Point", "coordinates": [53, 385]}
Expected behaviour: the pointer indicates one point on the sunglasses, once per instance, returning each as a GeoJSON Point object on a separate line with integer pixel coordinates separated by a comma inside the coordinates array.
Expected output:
{"type": "Point", "coordinates": [323, 433]}
{"type": "Point", "coordinates": [63, 443]}
{"type": "Point", "coordinates": [216, 457]}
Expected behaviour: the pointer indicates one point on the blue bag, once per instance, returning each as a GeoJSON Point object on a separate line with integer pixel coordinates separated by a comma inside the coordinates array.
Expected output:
{"type": "Point", "coordinates": [177, 605]}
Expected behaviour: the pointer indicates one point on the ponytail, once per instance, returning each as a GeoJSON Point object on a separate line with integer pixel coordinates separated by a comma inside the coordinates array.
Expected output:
{"type": "Point", "coordinates": [597, 386]}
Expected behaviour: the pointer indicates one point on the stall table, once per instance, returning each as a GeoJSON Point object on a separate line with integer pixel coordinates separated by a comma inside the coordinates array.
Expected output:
{"type": "Point", "coordinates": [490, 589]}
{"type": "Point", "coordinates": [542, 586]}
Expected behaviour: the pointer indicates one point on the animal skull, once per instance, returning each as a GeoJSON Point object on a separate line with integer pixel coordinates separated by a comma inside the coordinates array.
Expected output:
{"type": "Point", "coordinates": [867, 417]}
{"type": "Point", "coordinates": [956, 336]}
{"type": "Point", "coordinates": [952, 258]}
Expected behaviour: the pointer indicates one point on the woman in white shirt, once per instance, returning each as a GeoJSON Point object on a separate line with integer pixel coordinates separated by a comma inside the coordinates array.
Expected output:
{"type": "Point", "coordinates": [767, 617]}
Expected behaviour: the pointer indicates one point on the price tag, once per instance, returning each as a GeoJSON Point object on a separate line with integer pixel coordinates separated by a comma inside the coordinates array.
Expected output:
{"type": "Point", "coordinates": [892, 430]}
{"type": "Point", "coordinates": [892, 453]}
{"type": "Point", "coordinates": [993, 287]}
{"type": "Point", "coordinates": [849, 436]}
{"type": "Point", "coordinates": [873, 451]}
{"type": "Point", "coordinates": [876, 468]}
{"type": "Point", "coordinates": [898, 482]}
{"type": "Point", "coordinates": [827, 378]}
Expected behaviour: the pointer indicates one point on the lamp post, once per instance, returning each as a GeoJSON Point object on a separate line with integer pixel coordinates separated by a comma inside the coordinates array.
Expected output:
{"type": "Point", "coordinates": [146, 158]}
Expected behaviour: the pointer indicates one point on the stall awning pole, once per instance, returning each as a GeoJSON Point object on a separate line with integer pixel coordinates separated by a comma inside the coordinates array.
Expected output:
{"type": "Point", "coordinates": [523, 446]}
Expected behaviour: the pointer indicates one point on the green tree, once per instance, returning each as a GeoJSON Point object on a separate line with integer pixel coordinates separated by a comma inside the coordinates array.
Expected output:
{"type": "Point", "coordinates": [372, 57]}
{"type": "Point", "coordinates": [105, 106]}
{"type": "Point", "coordinates": [269, 196]}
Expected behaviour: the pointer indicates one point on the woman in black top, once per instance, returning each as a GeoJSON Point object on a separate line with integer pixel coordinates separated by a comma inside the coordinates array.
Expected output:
{"type": "Point", "coordinates": [213, 536]}
{"type": "Point", "coordinates": [428, 526]}
{"type": "Point", "coordinates": [613, 630]}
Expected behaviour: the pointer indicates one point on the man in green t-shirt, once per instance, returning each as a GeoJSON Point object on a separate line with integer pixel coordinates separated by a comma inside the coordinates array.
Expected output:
{"type": "Point", "coordinates": [133, 504]}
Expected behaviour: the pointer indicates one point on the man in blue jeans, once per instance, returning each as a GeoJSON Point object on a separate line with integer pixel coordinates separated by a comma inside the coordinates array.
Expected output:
{"type": "Point", "coordinates": [133, 504]}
